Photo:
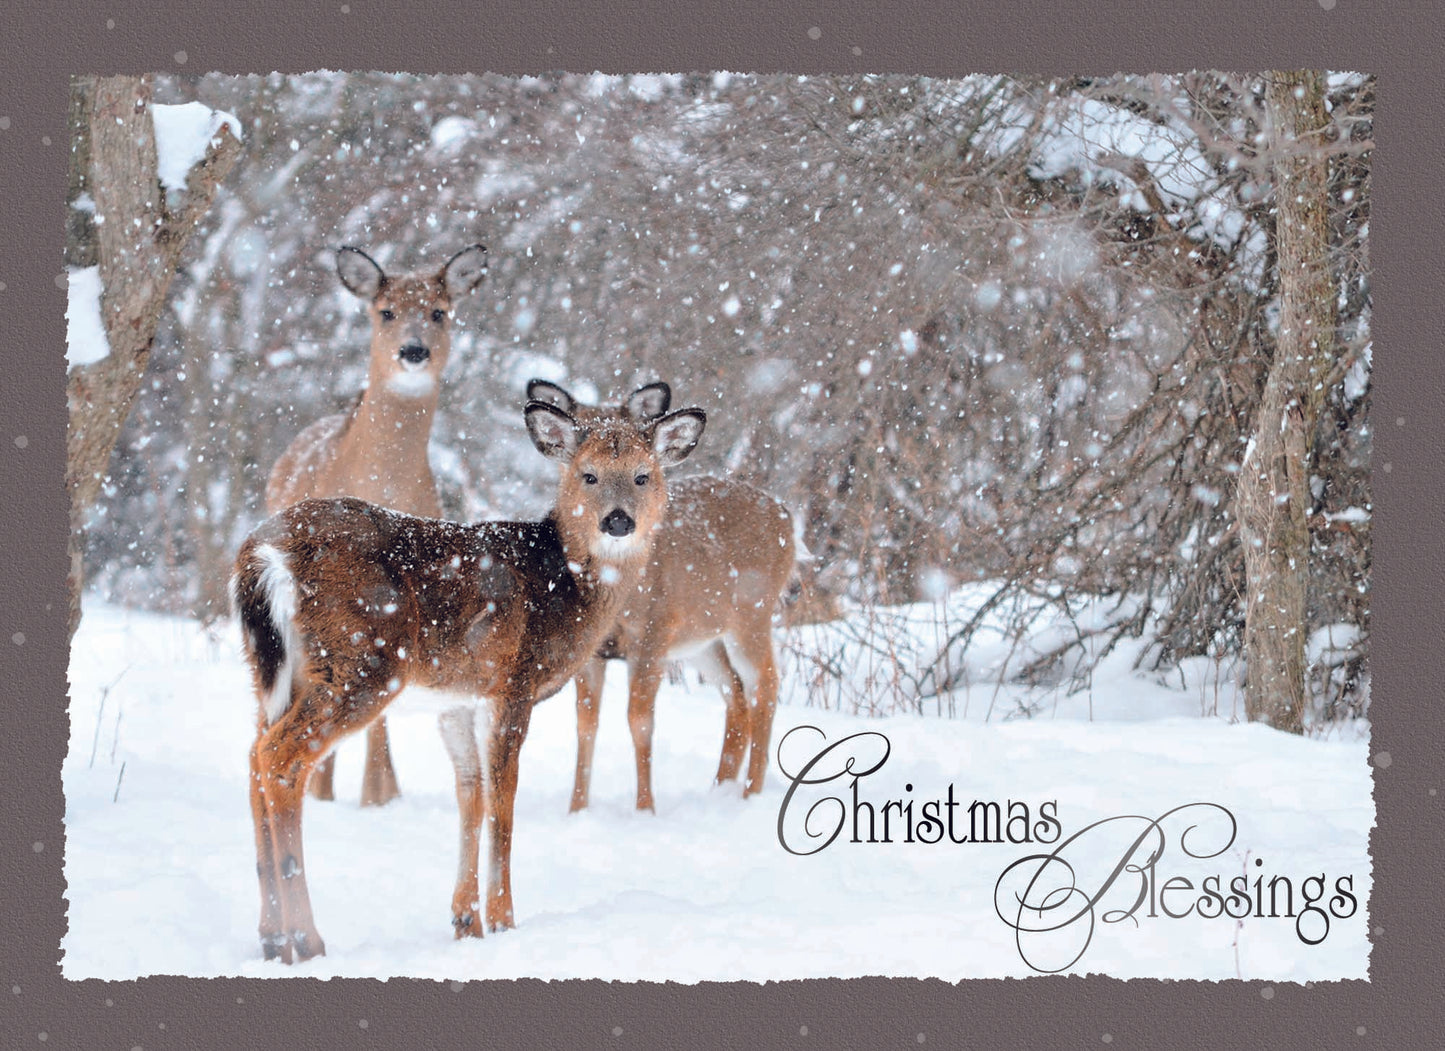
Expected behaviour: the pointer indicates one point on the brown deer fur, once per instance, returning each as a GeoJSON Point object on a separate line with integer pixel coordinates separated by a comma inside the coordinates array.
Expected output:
{"type": "Point", "coordinates": [719, 564]}
{"type": "Point", "coordinates": [343, 604]}
{"type": "Point", "coordinates": [378, 450]}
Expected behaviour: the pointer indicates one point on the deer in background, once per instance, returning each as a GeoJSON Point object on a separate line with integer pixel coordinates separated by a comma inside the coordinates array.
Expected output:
{"type": "Point", "coordinates": [720, 561]}
{"type": "Point", "coordinates": [377, 451]}
{"type": "Point", "coordinates": [343, 604]}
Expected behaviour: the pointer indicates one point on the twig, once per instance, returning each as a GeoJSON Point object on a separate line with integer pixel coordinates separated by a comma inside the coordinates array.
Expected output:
{"type": "Point", "coordinates": [99, 715]}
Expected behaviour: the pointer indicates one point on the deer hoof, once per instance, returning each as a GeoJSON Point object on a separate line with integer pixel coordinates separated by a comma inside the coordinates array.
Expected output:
{"type": "Point", "coordinates": [380, 798]}
{"type": "Point", "coordinates": [466, 925]}
{"type": "Point", "coordinates": [308, 944]}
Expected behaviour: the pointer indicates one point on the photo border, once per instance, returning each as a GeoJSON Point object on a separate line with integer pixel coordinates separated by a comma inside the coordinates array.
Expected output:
{"type": "Point", "coordinates": [1400, 40]}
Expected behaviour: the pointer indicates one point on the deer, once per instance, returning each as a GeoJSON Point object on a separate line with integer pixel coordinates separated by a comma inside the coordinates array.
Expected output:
{"type": "Point", "coordinates": [377, 449]}
{"type": "Point", "coordinates": [344, 604]}
{"type": "Point", "coordinates": [719, 564]}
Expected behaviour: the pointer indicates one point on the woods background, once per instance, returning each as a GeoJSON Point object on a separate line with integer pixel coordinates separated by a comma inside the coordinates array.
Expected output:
{"type": "Point", "coordinates": [1006, 331]}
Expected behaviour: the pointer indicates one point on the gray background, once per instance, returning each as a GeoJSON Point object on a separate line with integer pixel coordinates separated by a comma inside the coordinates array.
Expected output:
{"type": "Point", "coordinates": [1400, 39]}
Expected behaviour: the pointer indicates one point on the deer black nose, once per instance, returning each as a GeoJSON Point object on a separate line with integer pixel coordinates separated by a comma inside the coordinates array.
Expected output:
{"type": "Point", "coordinates": [414, 353]}
{"type": "Point", "coordinates": [618, 523]}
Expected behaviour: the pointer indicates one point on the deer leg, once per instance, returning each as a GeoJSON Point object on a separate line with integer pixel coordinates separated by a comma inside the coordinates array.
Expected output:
{"type": "Point", "coordinates": [273, 938]}
{"type": "Point", "coordinates": [589, 702]}
{"type": "Point", "coordinates": [378, 784]}
{"type": "Point", "coordinates": [643, 679]}
{"type": "Point", "coordinates": [504, 745]}
{"type": "Point", "coordinates": [322, 781]}
{"type": "Point", "coordinates": [283, 802]}
{"type": "Point", "coordinates": [458, 727]}
{"type": "Point", "coordinates": [764, 703]}
{"type": "Point", "coordinates": [735, 728]}
{"type": "Point", "coordinates": [285, 755]}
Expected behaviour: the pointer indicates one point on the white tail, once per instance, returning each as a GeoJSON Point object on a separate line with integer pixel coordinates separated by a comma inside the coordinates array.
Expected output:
{"type": "Point", "coordinates": [343, 604]}
{"type": "Point", "coordinates": [378, 450]}
{"type": "Point", "coordinates": [719, 564]}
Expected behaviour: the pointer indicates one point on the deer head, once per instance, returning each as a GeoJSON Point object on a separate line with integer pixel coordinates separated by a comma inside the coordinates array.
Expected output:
{"type": "Point", "coordinates": [410, 316]}
{"type": "Point", "coordinates": [611, 494]}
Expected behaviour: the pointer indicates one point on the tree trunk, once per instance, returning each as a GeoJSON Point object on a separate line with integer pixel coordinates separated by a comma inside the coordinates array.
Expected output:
{"type": "Point", "coordinates": [137, 244]}
{"type": "Point", "coordinates": [80, 246]}
{"type": "Point", "coordinates": [1274, 476]}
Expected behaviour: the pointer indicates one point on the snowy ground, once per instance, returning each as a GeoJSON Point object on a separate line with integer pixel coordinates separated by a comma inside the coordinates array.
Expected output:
{"type": "Point", "coordinates": [160, 854]}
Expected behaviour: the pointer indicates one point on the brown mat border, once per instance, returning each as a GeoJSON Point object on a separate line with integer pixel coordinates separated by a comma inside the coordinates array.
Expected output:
{"type": "Point", "coordinates": [1402, 40]}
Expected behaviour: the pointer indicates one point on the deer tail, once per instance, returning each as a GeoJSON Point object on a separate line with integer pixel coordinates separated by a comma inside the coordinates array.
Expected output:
{"type": "Point", "coordinates": [263, 592]}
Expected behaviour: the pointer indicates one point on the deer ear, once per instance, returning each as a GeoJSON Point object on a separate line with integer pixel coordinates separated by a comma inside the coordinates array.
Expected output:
{"type": "Point", "coordinates": [675, 436]}
{"type": "Point", "coordinates": [465, 270]}
{"type": "Point", "coordinates": [543, 390]}
{"type": "Point", "coordinates": [649, 402]}
{"type": "Point", "coordinates": [553, 431]}
{"type": "Point", "coordinates": [359, 272]}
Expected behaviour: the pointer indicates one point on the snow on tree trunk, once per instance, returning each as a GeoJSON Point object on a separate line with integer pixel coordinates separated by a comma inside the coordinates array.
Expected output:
{"type": "Point", "coordinates": [1274, 477]}
{"type": "Point", "coordinates": [137, 242]}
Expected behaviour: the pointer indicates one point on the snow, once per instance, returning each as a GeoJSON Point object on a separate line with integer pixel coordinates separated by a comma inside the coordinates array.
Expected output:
{"type": "Point", "coordinates": [451, 133]}
{"type": "Point", "coordinates": [650, 87]}
{"type": "Point", "coordinates": [1334, 643]}
{"type": "Point", "coordinates": [501, 180]}
{"type": "Point", "coordinates": [160, 855]}
{"type": "Point", "coordinates": [988, 295]}
{"type": "Point", "coordinates": [1357, 379]}
{"type": "Point", "coordinates": [1349, 514]}
{"type": "Point", "coordinates": [85, 338]}
{"type": "Point", "coordinates": [908, 658]}
{"type": "Point", "coordinates": [1086, 129]}
{"type": "Point", "coordinates": [1094, 138]}
{"type": "Point", "coordinates": [183, 133]}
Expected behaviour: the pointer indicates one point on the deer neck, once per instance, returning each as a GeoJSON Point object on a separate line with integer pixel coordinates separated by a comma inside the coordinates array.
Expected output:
{"type": "Point", "coordinates": [387, 426]}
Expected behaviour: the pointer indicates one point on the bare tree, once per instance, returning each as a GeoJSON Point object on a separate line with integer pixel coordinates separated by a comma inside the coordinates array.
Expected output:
{"type": "Point", "coordinates": [1274, 493]}
{"type": "Point", "coordinates": [1013, 330]}
{"type": "Point", "coordinates": [137, 239]}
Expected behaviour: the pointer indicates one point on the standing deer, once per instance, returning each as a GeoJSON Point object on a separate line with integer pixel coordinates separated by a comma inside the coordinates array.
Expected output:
{"type": "Point", "coordinates": [377, 450]}
{"type": "Point", "coordinates": [343, 604]}
{"type": "Point", "coordinates": [719, 564]}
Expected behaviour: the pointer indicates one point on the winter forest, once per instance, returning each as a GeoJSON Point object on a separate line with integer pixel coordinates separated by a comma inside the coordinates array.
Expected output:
{"type": "Point", "coordinates": [994, 330]}
{"type": "Point", "coordinates": [1065, 380]}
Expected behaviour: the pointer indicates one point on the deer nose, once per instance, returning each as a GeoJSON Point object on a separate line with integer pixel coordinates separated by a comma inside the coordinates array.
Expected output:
{"type": "Point", "coordinates": [618, 523]}
{"type": "Point", "coordinates": [414, 353]}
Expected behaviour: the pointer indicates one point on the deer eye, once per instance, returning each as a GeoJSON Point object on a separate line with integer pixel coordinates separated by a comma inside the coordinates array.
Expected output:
{"type": "Point", "coordinates": [438, 315]}
{"type": "Point", "coordinates": [641, 479]}
{"type": "Point", "coordinates": [589, 477]}
{"type": "Point", "coordinates": [388, 315]}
